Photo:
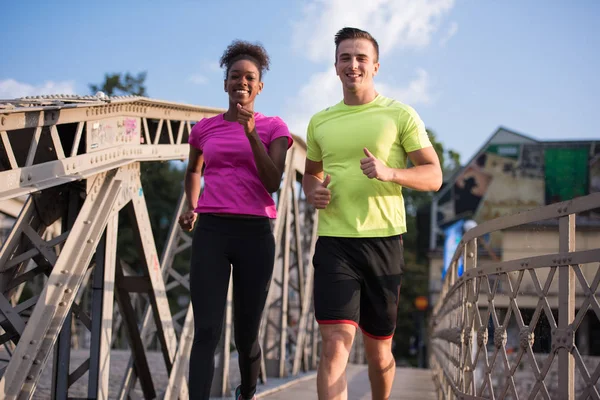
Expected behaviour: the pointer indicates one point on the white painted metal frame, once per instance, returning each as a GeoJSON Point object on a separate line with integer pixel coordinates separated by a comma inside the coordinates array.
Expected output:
{"type": "Point", "coordinates": [459, 325]}
{"type": "Point", "coordinates": [77, 161]}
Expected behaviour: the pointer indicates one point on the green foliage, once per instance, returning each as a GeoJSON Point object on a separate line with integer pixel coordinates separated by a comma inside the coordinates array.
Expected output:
{"type": "Point", "coordinates": [161, 185]}
{"type": "Point", "coordinates": [120, 85]}
{"type": "Point", "coordinates": [416, 272]}
{"type": "Point", "coordinates": [450, 161]}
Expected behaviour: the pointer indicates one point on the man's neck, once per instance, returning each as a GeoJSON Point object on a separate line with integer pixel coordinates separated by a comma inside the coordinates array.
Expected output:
{"type": "Point", "coordinates": [360, 97]}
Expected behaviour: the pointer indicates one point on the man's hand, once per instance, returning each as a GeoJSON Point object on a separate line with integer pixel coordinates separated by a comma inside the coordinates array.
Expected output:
{"type": "Point", "coordinates": [321, 196]}
{"type": "Point", "coordinates": [246, 119]}
{"type": "Point", "coordinates": [187, 220]}
{"type": "Point", "coordinates": [374, 168]}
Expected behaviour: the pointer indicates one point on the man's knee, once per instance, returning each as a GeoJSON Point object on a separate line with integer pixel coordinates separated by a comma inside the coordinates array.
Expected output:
{"type": "Point", "coordinates": [336, 342]}
{"type": "Point", "coordinates": [382, 360]}
{"type": "Point", "coordinates": [379, 354]}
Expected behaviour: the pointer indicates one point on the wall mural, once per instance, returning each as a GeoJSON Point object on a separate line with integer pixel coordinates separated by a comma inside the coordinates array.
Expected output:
{"type": "Point", "coordinates": [508, 178]}
{"type": "Point", "coordinates": [595, 176]}
{"type": "Point", "coordinates": [566, 173]}
{"type": "Point", "coordinates": [595, 173]}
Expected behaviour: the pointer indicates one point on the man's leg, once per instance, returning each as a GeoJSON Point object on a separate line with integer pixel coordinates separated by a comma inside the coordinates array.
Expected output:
{"type": "Point", "coordinates": [380, 293]}
{"type": "Point", "coordinates": [331, 376]}
{"type": "Point", "coordinates": [337, 307]}
{"type": "Point", "coordinates": [382, 366]}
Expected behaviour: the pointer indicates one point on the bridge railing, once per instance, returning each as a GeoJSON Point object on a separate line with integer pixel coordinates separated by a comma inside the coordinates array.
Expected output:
{"type": "Point", "coordinates": [520, 327]}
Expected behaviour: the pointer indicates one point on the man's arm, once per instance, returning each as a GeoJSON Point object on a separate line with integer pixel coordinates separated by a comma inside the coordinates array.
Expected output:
{"type": "Point", "coordinates": [313, 175]}
{"type": "Point", "coordinates": [425, 175]}
{"type": "Point", "coordinates": [314, 186]}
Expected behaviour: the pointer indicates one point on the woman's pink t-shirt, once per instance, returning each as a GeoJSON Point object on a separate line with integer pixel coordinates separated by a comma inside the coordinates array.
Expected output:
{"type": "Point", "coordinates": [231, 182]}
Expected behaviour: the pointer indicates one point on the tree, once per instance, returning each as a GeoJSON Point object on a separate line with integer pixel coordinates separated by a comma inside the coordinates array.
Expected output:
{"type": "Point", "coordinates": [449, 160]}
{"type": "Point", "coordinates": [117, 84]}
{"type": "Point", "coordinates": [161, 183]}
{"type": "Point", "coordinates": [416, 272]}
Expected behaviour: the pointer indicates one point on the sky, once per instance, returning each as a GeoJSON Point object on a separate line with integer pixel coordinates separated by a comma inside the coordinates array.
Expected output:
{"type": "Point", "coordinates": [466, 66]}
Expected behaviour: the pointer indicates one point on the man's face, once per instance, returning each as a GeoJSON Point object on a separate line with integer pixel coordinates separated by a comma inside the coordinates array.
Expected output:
{"type": "Point", "coordinates": [356, 64]}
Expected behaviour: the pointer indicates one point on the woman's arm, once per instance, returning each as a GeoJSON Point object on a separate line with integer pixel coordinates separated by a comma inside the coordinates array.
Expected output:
{"type": "Point", "coordinates": [270, 164]}
{"type": "Point", "coordinates": [191, 186]}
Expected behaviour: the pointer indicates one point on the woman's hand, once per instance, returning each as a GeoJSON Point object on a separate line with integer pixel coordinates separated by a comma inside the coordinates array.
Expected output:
{"type": "Point", "coordinates": [187, 220]}
{"type": "Point", "coordinates": [246, 119]}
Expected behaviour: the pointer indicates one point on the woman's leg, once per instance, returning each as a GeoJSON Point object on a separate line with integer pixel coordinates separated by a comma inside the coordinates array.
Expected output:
{"type": "Point", "coordinates": [252, 272]}
{"type": "Point", "coordinates": [209, 281]}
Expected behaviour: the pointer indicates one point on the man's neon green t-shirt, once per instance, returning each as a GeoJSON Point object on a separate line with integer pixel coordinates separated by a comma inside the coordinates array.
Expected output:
{"type": "Point", "coordinates": [363, 207]}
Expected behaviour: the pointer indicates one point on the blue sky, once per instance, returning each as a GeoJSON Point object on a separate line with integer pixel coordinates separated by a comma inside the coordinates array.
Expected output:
{"type": "Point", "coordinates": [467, 66]}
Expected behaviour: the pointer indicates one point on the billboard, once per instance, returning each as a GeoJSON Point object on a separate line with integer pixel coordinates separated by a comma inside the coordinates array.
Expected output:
{"type": "Point", "coordinates": [453, 234]}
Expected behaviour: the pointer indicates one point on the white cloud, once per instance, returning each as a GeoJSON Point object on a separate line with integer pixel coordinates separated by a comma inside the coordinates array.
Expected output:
{"type": "Point", "coordinates": [418, 91]}
{"type": "Point", "coordinates": [208, 69]}
{"type": "Point", "coordinates": [394, 23]}
{"type": "Point", "coordinates": [11, 89]}
{"type": "Point", "coordinates": [324, 89]}
{"type": "Point", "coordinates": [449, 33]}
{"type": "Point", "coordinates": [213, 66]}
{"type": "Point", "coordinates": [198, 79]}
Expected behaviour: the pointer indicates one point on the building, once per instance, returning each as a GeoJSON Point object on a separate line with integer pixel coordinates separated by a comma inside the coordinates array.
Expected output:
{"type": "Point", "coordinates": [511, 173]}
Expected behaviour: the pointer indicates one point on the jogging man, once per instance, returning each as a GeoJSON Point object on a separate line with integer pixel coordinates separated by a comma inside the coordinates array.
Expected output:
{"type": "Point", "coordinates": [355, 170]}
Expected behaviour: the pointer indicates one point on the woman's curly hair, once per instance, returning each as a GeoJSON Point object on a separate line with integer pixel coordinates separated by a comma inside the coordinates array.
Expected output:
{"type": "Point", "coordinates": [241, 50]}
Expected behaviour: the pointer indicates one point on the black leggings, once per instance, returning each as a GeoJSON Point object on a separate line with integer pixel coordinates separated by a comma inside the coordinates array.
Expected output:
{"type": "Point", "coordinates": [248, 245]}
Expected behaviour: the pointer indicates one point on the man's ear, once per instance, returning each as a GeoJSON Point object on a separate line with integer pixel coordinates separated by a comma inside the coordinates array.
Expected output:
{"type": "Point", "coordinates": [375, 68]}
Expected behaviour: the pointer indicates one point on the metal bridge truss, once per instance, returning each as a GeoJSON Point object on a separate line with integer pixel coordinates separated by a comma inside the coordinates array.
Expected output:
{"type": "Point", "coordinates": [70, 174]}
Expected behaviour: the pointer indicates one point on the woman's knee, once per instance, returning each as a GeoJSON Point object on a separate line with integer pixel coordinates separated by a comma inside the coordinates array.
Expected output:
{"type": "Point", "coordinates": [209, 335]}
{"type": "Point", "coordinates": [247, 345]}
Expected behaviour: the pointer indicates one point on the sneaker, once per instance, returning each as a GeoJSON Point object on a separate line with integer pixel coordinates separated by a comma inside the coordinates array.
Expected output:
{"type": "Point", "coordinates": [238, 394]}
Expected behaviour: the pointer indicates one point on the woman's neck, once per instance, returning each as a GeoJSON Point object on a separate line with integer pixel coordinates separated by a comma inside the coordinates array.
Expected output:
{"type": "Point", "coordinates": [231, 113]}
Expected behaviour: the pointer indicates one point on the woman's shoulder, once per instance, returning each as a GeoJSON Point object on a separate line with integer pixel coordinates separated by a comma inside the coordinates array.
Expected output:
{"type": "Point", "coordinates": [198, 134]}
{"type": "Point", "coordinates": [276, 127]}
{"type": "Point", "coordinates": [208, 122]}
{"type": "Point", "coordinates": [273, 121]}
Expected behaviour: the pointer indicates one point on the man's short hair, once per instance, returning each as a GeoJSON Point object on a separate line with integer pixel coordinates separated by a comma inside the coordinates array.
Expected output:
{"type": "Point", "coordinates": [355, 33]}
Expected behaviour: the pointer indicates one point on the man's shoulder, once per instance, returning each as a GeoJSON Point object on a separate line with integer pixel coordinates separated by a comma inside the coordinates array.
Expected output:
{"type": "Point", "coordinates": [406, 114]}
{"type": "Point", "coordinates": [325, 113]}
{"type": "Point", "coordinates": [388, 102]}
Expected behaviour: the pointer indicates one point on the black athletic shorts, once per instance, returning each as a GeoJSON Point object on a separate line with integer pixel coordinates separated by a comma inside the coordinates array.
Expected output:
{"type": "Point", "coordinates": [357, 282]}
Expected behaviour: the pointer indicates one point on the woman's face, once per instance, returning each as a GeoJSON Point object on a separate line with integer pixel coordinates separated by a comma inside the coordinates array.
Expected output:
{"type": "Point", "coordinates": [243, 82]}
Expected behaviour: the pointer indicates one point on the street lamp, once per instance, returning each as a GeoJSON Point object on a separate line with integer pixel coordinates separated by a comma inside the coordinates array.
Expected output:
{"type": "Point", "coordinates": [421, 304]}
